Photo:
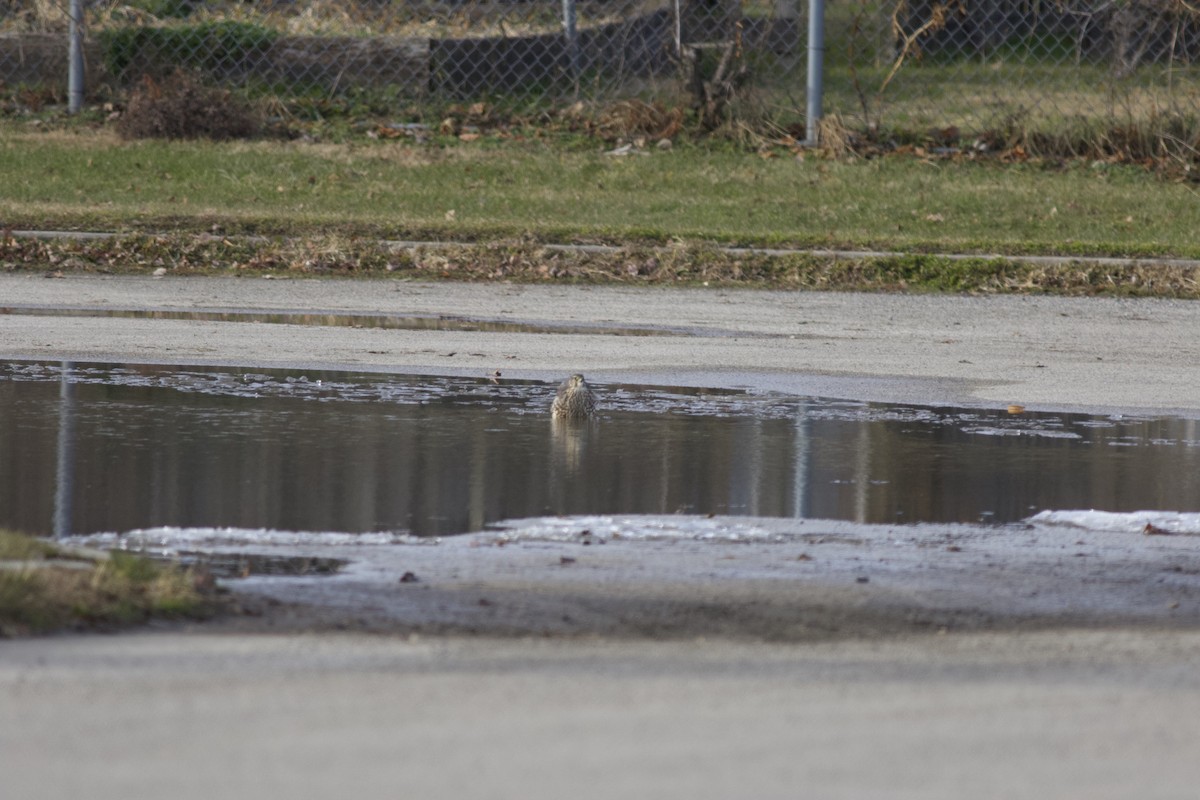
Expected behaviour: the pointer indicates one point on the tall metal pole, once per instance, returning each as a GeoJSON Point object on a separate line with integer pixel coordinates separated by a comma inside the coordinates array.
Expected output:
{"type": "Point", "coordinates": [678, 30]}
{"type": "Point", "coordinates": [571, 31]}
{"type": "Point", "coordinates": [816, 70]}
{"type": "Point", "coordinates": [75, 55]}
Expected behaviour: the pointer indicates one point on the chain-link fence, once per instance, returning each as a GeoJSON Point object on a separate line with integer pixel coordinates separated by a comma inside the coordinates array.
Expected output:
{"type": "Point", "coordinates": [907, 64]}
{"type": "Point", "coordinates": [985, 65]}
{"type": "Point", "coordinates": [415, 49]}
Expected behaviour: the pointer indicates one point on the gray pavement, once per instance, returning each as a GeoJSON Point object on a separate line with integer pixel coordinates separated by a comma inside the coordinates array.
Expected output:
{"type": "Point", "coordinates": [1041, 352]}
{"type": "Point", "coordinates": [1087, 715]}
{"type": "Point", "coordinates": [997, 669]}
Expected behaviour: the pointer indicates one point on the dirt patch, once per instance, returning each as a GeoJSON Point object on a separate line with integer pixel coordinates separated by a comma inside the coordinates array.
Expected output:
{"type": "Point", "coordinates": [848, 582]}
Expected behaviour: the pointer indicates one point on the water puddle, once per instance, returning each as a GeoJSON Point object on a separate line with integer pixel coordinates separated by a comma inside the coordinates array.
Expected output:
{"type": "Point", "coordinates": [92, 448]}
{"type": "Point", "coordinates": [245, 565]}
{"type": "Point", "coordinates": [407, 322]}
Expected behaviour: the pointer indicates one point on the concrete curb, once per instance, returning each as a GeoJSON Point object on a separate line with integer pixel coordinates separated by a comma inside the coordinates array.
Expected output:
{"type": "Point", "coordinates": [769, 252]}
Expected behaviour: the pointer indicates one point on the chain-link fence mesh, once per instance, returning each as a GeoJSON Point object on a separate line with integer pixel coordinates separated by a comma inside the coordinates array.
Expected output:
{"type": "Point", "coordinates": [520, 49]}
{"type": "Point", "coordinates": [907, 64]}
{"type": "Point", "coordinates": [997, 64]}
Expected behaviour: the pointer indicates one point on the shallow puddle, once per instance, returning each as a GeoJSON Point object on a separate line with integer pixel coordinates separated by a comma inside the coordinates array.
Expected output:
{"type": "Point", "coordinates": [335, 319]}
{"type": "Point", "coordinates": [245, 565]}
{"type": "Point", "coordinates": [89, 448]}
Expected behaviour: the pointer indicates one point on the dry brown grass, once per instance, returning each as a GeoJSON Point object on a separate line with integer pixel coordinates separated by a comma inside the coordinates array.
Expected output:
{"type": "Point", "coordinates": [44, 588]}
{"type": "Point", "coordinates": [630, 119]}
{"type": "Point", "coordinates": [679, 263]}
{"type": "Point", "coordinates": [182, 107]}
{"type": "Point", "coordinates": [835, 137]}
{"type": "Point", "coordinates": [372, 18]}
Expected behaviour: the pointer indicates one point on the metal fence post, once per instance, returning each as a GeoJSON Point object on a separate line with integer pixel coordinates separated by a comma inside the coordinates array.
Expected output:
{"type": "Point", "coordinates": [571, 31]}
{"type": "Point", "coordinates": [75, 56]}
{"type": "Point", "coordinates": [816, 70]}
{"type": "Point", "coordinates": [678, 29]}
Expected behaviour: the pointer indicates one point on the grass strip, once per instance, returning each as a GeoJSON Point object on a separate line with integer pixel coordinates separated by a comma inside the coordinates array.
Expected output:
{"type": "Point", "coordinates": [571, 191]}
{"type": "Point", "coordinates": [678, 264]}
{"type": "Point", "coordinates": [44, 588]}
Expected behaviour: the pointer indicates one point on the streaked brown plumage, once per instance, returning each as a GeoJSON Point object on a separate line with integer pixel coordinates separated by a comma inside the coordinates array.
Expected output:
{"type": "Point", "coordinates": [574, 400]}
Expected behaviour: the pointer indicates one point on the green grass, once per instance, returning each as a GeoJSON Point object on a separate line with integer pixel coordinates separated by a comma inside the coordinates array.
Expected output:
{"type": "Point", "coordinates": [1041, 77]}
{"type": "Point", "coordinates": [570, 190]}
{"type": "Point", "coordinates": [15, 547]}
{"type": "Point", "coordinates": [54, 589]}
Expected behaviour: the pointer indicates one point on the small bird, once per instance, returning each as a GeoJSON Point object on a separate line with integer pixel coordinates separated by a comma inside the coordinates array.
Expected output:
{"type": "Point", "coordinates": [574, 399]}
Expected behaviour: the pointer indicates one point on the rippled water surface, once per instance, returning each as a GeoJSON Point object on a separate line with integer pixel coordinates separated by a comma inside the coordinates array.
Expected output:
{"type": "Point", "coordinates": [87, 448]}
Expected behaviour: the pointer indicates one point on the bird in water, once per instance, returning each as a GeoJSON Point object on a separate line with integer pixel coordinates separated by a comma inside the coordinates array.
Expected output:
{"type": "Point", "coordinates": [574, 400]}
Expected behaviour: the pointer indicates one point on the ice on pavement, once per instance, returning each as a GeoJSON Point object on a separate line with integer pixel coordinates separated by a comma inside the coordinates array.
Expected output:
{"type": "Point", "coordinates": [634, 527]}
{"type": "Point", "coordinates": [561, 529]}
{"type": "Point", "coordinates": [598, 529]}
{"type": "Point", "coordinates": [166, 538]}
{"type": "Point", "coordinates": [1122, 522]}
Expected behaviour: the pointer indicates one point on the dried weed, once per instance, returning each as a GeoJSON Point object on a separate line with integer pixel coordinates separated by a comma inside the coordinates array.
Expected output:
{"type": "Point", "coordinates": [182, 107]}
{"type": "Point", "coordinates": [56, 590]}
{"type": "Point", "coordinates": [677, 263]}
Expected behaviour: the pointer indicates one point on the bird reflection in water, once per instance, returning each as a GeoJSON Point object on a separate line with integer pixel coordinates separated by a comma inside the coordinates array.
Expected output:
{"type": "Point", "coordinates": [572, 422]}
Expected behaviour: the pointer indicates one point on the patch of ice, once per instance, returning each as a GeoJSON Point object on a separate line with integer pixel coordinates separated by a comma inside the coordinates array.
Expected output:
{"type": "Point", "coordinates": [166, 538]}
{"type": "Point", "coordinates": [637, 528]}
{"type": "Point", "coordinates": [1045, 434]}
{"type": "Point", "coordinates": [1176, 522]}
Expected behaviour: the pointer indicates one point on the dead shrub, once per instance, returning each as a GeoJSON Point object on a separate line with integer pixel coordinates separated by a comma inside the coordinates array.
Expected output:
{"type": "Point", "coordinates": [182, 107]}
{"type": "Point", "coordinates": [835, 137]}
{"type": "Point", "coordinates": [631, 118]}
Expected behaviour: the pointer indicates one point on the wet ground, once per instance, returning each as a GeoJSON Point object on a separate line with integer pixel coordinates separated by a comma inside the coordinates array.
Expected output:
{"type": "Point", "coordinates": [94, 448]}
{"type": "Point", "coordinates": [675, 512]}
{"type": "Point", "coordinates": [760, 579]}
{"type": "Point", "coordinates": [1053, 657]}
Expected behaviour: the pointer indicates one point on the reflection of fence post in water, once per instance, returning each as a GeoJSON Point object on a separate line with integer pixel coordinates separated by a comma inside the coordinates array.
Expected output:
{"type": "Point", "coordinates": [802, 456]}
{"type": "Point", "coordinates": [862, 473]}
{"type": "Point", "coordinates": [746, 477]}
{"type": "Point", "coordinates": [571, 32]}
{"type": "Point", "coordinates": [64, 476]}
{"type": "Point", "coordinates": [477, 482]}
